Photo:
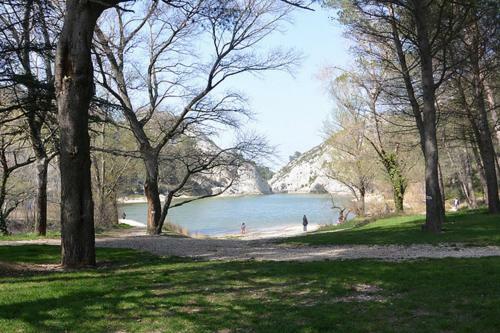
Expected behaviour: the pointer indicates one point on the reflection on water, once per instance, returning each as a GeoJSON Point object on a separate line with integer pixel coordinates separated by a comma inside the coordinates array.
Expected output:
{"type": "Point", "coordinates": [224, 215]}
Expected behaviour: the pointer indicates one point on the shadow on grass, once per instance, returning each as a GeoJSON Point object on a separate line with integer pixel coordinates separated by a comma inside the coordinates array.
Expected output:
{"type": "Point", "coordinates": [136, 292]}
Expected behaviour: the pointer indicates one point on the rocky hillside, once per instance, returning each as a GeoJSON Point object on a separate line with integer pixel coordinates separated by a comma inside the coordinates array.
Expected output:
{"type": "Point", "coordinates": [306, 174]}
{"type": "Point", "coordinates": [249, 181]}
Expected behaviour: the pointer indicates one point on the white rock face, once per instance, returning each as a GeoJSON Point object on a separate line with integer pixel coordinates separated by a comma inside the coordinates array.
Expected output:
{"type": "Point", "coordinates": [249, 182]}
{"type": "Point", "coordinates": [306, 175]}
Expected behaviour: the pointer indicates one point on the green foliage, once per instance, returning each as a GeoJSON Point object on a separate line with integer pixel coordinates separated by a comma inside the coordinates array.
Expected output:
{"type": "Point", "coordinates": [396, 176]}
{"type": "Point", "coordinates": [294, 156]}
{"type": "Point", "coordinates": [265, 172]}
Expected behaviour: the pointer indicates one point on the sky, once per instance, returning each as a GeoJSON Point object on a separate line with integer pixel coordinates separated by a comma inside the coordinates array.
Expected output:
{"type": "Point", "coordinates": [290, 110]}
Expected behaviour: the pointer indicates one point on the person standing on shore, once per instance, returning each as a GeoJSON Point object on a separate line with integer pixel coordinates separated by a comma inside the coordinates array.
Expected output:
{"type": "Point", "coordinates": [305, 222]}
{"type": "Point", "coordinates": [243, 228]}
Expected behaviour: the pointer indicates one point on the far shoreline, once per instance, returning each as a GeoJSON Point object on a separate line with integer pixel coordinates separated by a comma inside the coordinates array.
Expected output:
{"type": "Point", "coordinates": [142, 199]}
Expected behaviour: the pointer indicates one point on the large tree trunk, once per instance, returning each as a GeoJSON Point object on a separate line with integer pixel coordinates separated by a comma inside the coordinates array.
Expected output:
{"type": "Point", "coordinates": [434, 205]}
{"type": "Point", "coordinates": [42, 165]}
{"type": "Point", "coordinates": [152, 193]}
{"type": "Point", "coordinates": [74, 90]}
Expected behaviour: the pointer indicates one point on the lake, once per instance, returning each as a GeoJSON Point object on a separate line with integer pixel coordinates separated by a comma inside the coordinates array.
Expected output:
{"type": "Point", "coordinates": [224, 215]}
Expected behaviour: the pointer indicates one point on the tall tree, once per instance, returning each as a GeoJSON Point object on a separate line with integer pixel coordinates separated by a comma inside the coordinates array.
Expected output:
{"type": "Point", "coordinates": [174, 104]}
{"type": "Point", "coordinates": [74, 90]}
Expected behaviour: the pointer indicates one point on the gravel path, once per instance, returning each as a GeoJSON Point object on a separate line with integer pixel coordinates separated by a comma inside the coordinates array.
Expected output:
{"type": "Point", "coordinates": [226, 249]}
{"type": "Point", "coordinates": [212, 249]}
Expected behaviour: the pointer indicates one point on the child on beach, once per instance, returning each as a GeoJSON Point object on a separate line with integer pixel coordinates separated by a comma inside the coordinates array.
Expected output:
{"type": "Point", "coordinates": [243, 228]}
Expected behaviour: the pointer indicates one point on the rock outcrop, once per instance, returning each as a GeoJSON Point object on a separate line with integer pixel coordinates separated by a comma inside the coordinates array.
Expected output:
{"type": "Point", "coordinates": [249, 181]}
{"type": "Point", "coordinates": [306, 174]}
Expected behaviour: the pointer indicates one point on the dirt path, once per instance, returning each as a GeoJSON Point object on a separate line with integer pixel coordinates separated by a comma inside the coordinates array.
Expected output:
{"type": "Point", "coordinates": [226, 249]}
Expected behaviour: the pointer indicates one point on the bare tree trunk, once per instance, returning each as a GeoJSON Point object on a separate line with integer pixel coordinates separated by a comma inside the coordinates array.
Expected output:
{"type": "Point", "coordinates": [74, 90]}
{"type": "Point", "coordinates": [164, 213]}
{"type": "Point", "coordinates": [42, 165]}
{"type": "Point", "coordinates": [362, 202]}
{"type": "Point", "coordinates": [434, 203]}
{"type": "Point", "coordinates": [152, 193]}
{"type": "Point", "coordinates": [441, 185]}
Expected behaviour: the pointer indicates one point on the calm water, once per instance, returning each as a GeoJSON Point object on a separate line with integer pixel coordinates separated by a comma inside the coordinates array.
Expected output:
{"type": "Point", "coordinates": [224, 215]}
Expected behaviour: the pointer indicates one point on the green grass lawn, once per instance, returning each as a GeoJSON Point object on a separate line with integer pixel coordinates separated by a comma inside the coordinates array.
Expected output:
{"type": "Point", "coordinates": [29, 236]}
{"type": "Point", "coordinates": [470, 227]}
{"type": "Point", "coordinates": [137, 292]}
{"type": "Point", "coordinates": [56, 234]}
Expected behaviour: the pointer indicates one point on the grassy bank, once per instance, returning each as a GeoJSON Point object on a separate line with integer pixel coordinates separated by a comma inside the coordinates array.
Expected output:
{"type": "Point", "coordinates": [136, 292]}
{"type": "Point", "coordinates": [474, 227]}
{"type": "Point", "coordinates": [29, 236]}
{"type": "Point", "coordinates": [99, 231]}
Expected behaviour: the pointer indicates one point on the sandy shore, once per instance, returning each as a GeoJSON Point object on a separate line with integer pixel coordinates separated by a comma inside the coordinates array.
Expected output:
{"type": "Point", "coordinates": [127, 200]}
{"type": "Point", "coordinates": [274, 232]}
{"type": "Point", "coordinates": [132, 223]}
